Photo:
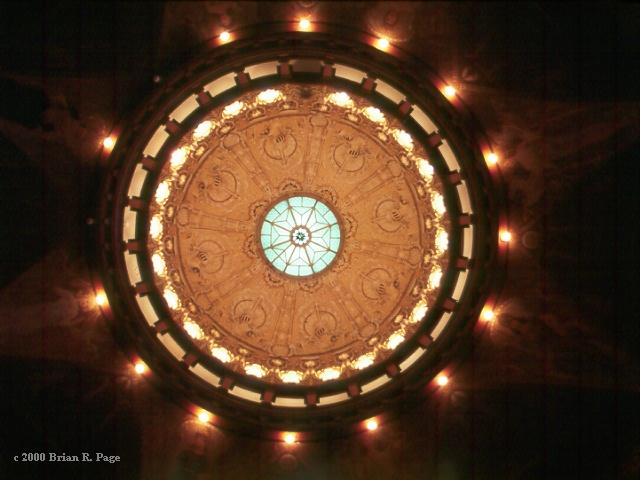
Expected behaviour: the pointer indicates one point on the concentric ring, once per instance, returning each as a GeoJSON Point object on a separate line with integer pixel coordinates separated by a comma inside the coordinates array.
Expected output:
{"type": "Point", "coordinates": [149, 145]}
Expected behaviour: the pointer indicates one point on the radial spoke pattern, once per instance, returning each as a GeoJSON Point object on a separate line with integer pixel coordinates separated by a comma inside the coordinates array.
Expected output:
{"type": "Point", "coordinates": [300, 236]}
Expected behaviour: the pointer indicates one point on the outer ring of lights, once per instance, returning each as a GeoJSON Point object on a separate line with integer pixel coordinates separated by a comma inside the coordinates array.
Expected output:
{"type": "Point", "coordinates": [143, 337]}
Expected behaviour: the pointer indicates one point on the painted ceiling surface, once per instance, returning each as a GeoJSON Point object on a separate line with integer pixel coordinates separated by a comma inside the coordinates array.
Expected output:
{"type": "Point", "coordinates": [243, 285]}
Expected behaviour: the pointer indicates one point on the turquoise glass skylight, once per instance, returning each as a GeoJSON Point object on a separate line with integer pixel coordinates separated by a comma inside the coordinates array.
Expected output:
{"type": "Point", "coordinates": [300, 236]}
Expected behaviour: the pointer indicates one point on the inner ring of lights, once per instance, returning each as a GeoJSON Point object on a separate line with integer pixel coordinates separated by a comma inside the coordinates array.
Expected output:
{"type": "Point", "coordinates": [426, 269]}
{"type": "Point", "coordinates": [300, 236]}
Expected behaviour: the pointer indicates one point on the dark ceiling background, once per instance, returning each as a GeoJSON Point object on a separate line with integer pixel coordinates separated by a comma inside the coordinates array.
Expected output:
{"type": "Point", "coordinates": [551, 391]}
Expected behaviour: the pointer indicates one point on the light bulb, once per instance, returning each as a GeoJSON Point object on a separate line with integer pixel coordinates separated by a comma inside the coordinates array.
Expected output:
{"type": "Point", "coordinates": [488, 315]}
{"type": "Point", "coordinates": [449, 91]}
{"type": "Point", "coordinates": [304, 24]}
{"type": "Point", "coordinates": [108, 142]}
{"type": "Point", "coordinates": [505, 236]}
{"type": "Point", "coordinates": [372, 424]}
{"type": "Point", "coordinates": [204, 416]}
{"type": "Point", "coordinates": [382, 43]}
{"type": "Point", "coordinates": [101, 299]}
{"type": "Point", "coordinates": [491, 158]}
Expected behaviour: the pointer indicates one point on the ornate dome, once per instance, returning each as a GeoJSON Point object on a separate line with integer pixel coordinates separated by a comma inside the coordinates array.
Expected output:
{"type": "Point", "coordinates": [241, 229]}
{"type": "Point", "coordinates": [299, 231]}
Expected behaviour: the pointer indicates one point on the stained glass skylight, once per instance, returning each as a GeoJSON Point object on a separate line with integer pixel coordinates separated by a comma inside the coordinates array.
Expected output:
{"type": "Point", "coordinates": [300, 236]}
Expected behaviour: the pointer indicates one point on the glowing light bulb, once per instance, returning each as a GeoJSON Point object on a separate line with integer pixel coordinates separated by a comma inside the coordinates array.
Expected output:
{"type": "Point", "coordinates": [173, 302]}
{"type": "Point", "coordinates": [442, 241]}
{"type": "Point", "coordinates": [505, 236]}
{"type": "Point", "coordinates": [155, 227]}
{"type": "Point", "coordinates": [140, 368]}
{"type": "Point", "coordinates": [425, 169]}
{"type": "Point", "coordinates": [382, 43]}
{"type": "Point", "coordinates": [162, 192]}
{"type": "Point", "coordinates": [101, 299]}
{"type": "Point", "coordinates": [204, 417]}
{"type": "Point", "coordinates": [372, 424]}
{"type": "Point", "coordinates": [178, 157]}
{"type": "Point", "coordinates": [449, 91]}
{"type": "Point", "coordinates": [340, 99]}
{"type": "Point", "coordinates": [221, 354]}
{"type": "Point", "coordinates": [193, 330]}
{"type": "Point", "coordinates": [289, 438]}
{"type": "Point", "coordinates": [269, 96]}
{"type": "Point", "coordinates": [304, 24]}
{"type": "Point", "coordinates": [329, 374]}
{"type": "Point", "coordinates": [108, 142]}
{"type": "Point", "coordinates": [225, 36]}
{"type": "Point", "coordinates": [442, 380]}
{"type": "Point", "coordinates": [491, 158]}
{"type": "Point", "coordinates": [374, 114]}
{"type": "Point", "coordinates": [159, 266]}
{"type": "Point", "coordinates": [364, 361]}
{"type": "Point", "coordinates": [488, 315]}
{"type": "Point", "coordinates": [202, 130]}
{"type": "Point", "coordinates": [396, 339]}
{"type": "Point", "coordinates": [233, 109]}
{"type": "Point", "coordinates": [255, 370]}
{"type": "Point", "coordinates": [403, 138]}
{"type": "Point", "coordinates": [437, 202]}
{"type": "Point", "coordinates": [291, 377]}
{"type": "Point", "coordinates": [434, 278]}
{"type": "Point", "coordinates": [419, 311]}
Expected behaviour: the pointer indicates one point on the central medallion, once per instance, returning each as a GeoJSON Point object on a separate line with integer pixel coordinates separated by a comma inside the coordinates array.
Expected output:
{"type": "Point", "coordinates": [300, 236]}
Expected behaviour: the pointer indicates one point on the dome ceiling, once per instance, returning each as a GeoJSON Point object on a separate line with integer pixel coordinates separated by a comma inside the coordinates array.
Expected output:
{"type": "Point", "coordinates": [559, 351]}
{"type": "Point", "coordinates": [252, 174]}
{"type": "Point", "coordinates": [302, 234]}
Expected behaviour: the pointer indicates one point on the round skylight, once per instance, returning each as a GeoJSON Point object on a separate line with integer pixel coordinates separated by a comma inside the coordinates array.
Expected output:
{"type": "Point", "coordinates": [300, 236]}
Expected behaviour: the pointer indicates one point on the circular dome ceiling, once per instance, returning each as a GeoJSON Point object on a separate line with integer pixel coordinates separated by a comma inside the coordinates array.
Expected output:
{"type": "Point", "coordinates": [241, 228]}
{"type": "Point", "coordinates": [299, 233]}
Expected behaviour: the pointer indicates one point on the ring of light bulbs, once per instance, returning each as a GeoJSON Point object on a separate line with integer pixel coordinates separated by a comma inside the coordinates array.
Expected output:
{"type": "Point", "coordinates": [157, 146]}
{"type": "Point", "coordinates": [171, 182]}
